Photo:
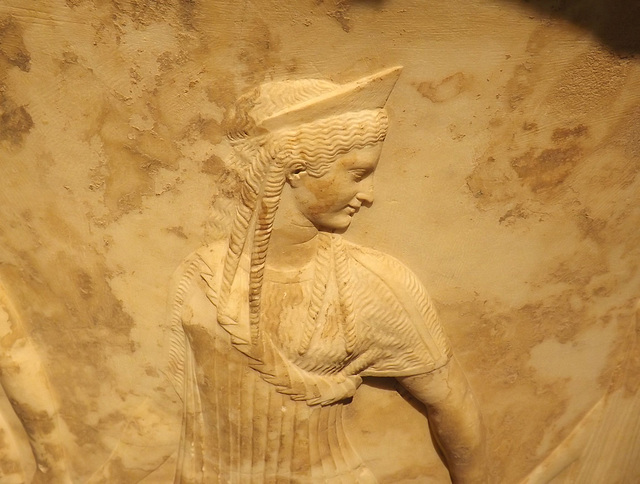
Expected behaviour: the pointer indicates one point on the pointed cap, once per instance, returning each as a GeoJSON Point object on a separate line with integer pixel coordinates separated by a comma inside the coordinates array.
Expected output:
{"type": "Point", "coordinates": [369, 92]}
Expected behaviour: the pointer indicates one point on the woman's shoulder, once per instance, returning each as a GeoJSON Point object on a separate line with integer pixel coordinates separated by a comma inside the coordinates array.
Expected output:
{"type": "Point", "coordinates": [390, 278]}
{"type": "Point", "coordinates": [207, 257]}
{"type": "Point", "coordinates": [381, 264]}
{"type": "Point", "coordinates": [404, 330]}
{"type": "Point", "coordinates": [202, 264]}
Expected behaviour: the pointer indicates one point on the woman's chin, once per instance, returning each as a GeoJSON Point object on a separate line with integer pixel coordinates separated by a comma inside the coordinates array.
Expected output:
{"type": "Point", "coordinates": [339, 223]}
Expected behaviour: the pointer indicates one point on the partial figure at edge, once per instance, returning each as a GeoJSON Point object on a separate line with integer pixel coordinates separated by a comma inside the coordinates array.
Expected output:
{"type": "Point", "coordinates": [27, 388]}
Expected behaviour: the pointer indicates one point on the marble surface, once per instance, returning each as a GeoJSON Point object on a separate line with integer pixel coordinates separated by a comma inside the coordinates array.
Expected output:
{"type": "Point", "coordinates": [508, 183]}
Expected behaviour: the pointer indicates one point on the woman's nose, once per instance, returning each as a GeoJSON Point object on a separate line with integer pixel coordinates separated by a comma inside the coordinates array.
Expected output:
{"type": "Point", "coordinates": [365, 195]}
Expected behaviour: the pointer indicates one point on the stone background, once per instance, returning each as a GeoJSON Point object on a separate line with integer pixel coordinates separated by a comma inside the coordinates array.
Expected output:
{"type": "Point", "coordinates": [509, 183]}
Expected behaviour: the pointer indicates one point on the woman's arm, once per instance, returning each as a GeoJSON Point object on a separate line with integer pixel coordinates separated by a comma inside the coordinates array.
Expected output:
{"type": "Point", "coordinates": [455, 420]}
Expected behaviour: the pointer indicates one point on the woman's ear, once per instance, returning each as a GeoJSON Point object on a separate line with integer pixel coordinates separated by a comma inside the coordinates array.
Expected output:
{"type": "Point", "coordinates": [296, 172]}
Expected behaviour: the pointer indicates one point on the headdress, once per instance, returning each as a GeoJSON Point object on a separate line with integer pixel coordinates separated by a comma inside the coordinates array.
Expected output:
{"type": "Point", "coordinates": [368, 93]}
{"type": "Point", "coordinates": [279, 105]}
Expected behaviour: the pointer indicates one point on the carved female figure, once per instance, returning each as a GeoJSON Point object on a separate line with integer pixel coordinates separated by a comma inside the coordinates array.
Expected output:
{"type": "Point", "coordinates": [275, 327]}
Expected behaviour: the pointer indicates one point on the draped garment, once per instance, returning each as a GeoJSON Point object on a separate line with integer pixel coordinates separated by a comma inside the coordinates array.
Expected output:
{"type": "Point", "coordinates": [278, 418]}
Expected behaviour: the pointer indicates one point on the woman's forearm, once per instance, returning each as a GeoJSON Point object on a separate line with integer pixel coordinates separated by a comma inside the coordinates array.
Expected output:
{"type": "Point", "coordinates": [455, 420]}
{"type": "Point", "coordinates": [457, 425]}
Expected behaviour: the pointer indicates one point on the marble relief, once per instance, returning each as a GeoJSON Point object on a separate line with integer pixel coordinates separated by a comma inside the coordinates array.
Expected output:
{"type": "Point", "coordinates": [275, 329]}
{"type": "Point", "coordinates": [292, 344]}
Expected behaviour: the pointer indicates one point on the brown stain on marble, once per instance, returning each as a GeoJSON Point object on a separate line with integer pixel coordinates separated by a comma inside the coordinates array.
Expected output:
{"type": "Point", "coordinates": [568, 133]}
{"type": "Point", "coordinates": [35, 421]}
{"type": "Point", "coordinates": [492, 181]}
{"type": "Point", "coordinates": [12, 48]}
{"type": "Point", "coordinates": [259, 51]}
{"type": "Point", "coordinates": [591, 284]}
{"type": "Point", "coordinates": [152, 371]}
{"type": "Point", "coordinates": [133, 159]}
{"type": "Point", "coordinates": [214, 165]}
{"type": "Point", "coordinates": [548, 168]}
{"type": "Point", "coordinates": [544, 159]}
{"type": "Point", "coordinates": [15, 120]}
{"type": "Point", "coordinates": [84, 291]}
{"type": "Point", "coordinates": [222, 90]}
{"type": "Point", "coordinates": [445, 89]}
{"type": "Point", "coordinates": [227, 179]}
{"type": "Point", "coordinates": [178, 231]}
{"type": "Point", "coordinates": [168, 61]}
{"type": "Point", "coordinates": [623, 360]}
{"type": "Point", "coordinates": [57, 227]}
{"type": "Point", "coordinates": [84, 284]}
{"type": "Point", "coordinates": [126, 174]}
{"type": "Point", "coordinates": [585, 281]}
{"type": "Point", "coordinates": [518, 212]}
{"type": "Point", "coordinates": [157, 150]}
{"type": "Point", "coordinates": [520, 86]}
{"type": "Point", "coordinates": [8, 465]}
{"type": "Point", "coordinates": [528, 74]}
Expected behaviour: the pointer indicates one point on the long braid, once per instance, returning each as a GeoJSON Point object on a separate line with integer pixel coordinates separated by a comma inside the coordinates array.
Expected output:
{"type": "Point", "coordinates": [273, 186]}
{"type": "Point", "coordinates": [249, 195]}
{"type": "Point", "coordinates": [321, 276]}
{"type": "Point", "coordinates": [345, 293]}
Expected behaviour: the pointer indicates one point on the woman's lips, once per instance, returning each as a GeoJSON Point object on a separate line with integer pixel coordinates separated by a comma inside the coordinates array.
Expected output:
{"type": "Point", "coordinates": [351, 209]}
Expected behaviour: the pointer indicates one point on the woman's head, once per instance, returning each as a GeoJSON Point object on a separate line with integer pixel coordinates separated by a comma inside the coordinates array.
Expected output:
{"type": "Point", "coordinates": [323, 160]}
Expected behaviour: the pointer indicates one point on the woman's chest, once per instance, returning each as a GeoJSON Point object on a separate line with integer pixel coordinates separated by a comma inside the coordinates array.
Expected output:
{"type": "Point", "coordinates": [309, 325]}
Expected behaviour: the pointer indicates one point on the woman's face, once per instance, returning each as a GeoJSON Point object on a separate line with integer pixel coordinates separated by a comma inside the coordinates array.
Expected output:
{"type": "Point", "coordinates": [330, 201]}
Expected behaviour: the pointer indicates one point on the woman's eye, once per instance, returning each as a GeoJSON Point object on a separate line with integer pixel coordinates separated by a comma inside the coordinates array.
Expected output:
{"type": "Point", "coordinates": [358, 175]}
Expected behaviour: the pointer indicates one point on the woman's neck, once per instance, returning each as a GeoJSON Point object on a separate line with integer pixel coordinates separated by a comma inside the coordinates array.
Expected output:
{"type": "Point", "coordinates": [293, 243]}
{"type": "Point", "coordinates": [292, 247]}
